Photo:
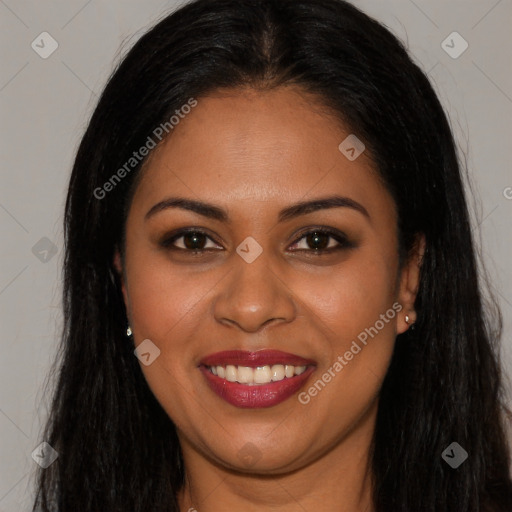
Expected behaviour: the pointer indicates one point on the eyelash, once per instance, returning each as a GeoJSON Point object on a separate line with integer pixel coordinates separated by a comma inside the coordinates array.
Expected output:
{"type": "Point", "coordinates": [339, 237]}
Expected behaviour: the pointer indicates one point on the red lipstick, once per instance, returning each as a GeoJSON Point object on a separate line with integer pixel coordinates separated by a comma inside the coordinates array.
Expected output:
{"type": "Point", "coordinates": [255, 395]}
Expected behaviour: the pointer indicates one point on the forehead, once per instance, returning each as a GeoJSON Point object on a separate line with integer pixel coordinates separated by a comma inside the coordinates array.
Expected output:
{"type": "Point", "coordinates": [271, 146]}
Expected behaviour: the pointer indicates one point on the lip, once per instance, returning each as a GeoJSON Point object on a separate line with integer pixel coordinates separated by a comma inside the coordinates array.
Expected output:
{"type": "Point", "coordinates": [259, 395]}
{"type": "Point", "coordinates": [254, 359]}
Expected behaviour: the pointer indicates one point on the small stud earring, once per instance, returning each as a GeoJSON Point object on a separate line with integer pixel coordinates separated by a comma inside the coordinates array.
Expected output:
{"type": "Point", "coordinates": [129, 331]}
{"type": "Point", "coordinates": [407, 319]}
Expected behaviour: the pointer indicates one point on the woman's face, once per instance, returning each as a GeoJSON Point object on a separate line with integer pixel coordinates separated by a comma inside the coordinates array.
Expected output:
{"type": "Point", "coordinates": [251, 281]}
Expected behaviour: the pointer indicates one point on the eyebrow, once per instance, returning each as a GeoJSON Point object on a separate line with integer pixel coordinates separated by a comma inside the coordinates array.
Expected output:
{"type": "Point", "coordinates": [216, 213]}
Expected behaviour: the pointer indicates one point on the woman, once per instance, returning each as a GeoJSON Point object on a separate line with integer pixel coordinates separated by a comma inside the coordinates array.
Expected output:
{"type": "Point", "coordinates": [271, 296]}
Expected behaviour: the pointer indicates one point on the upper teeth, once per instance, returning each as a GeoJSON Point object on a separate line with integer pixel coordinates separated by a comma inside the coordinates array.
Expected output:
{"type": "Point", "coordinates": [259, 375]}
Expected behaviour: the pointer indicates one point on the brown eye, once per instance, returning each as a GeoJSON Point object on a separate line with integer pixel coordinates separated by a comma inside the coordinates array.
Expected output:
{"type": "Point", "coordinates": [319, 241]}
{"type": "Point", "coordinates": [194, 240]}
{"type": "Point", "coordinates": [190, 240]}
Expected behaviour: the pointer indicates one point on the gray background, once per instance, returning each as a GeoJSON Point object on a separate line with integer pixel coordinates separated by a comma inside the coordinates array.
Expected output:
{"type": "Point", "coordinates": [45, 106]}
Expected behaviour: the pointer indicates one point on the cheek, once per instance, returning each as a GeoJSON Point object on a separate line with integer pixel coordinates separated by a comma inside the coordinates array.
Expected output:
{"type": "Point", "coordinates": [357, 320]}
{"type": "Point", "coordinates": [162, 296]}
{"type": "Point", "coordinates": [166, 306]}
{"type": "Point", "coordinates": [353, 309]}
{"type": "Point", "coordinates": [353, 295]}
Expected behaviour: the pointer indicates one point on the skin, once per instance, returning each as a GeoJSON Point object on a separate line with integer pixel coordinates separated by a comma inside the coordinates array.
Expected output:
{"type": "Point", "coordinates": [253, 153]}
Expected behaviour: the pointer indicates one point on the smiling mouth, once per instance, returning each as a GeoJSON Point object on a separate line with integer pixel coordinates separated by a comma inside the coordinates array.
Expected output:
{"type": "Point", "coordinates": [258, 375]}
{"type": "Point", "coordinates": [259, 379]}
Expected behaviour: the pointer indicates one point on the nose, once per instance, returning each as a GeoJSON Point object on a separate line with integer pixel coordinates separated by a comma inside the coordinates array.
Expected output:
{"type": "Point", "coordinates": [253, 296]}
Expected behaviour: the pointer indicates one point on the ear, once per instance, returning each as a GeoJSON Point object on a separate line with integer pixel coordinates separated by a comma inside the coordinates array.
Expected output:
{"type": "Point", "coordinates": [118, 265]}
{"type": "Point", "coordinates": [409, 284]}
